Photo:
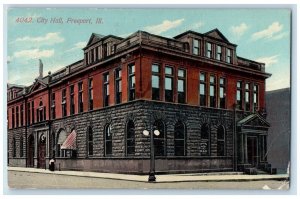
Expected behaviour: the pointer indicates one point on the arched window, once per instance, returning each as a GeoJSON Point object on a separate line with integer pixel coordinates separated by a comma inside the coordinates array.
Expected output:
{"type": "Point", "coordinates": [14, 147]}
{"type": "Point", "coordinates": [107, 140]}
{"type": "Point", "coordinates": [61, 137]}
{"type": "Point", "coordinates": [221, 141]}
{"type": "Point", "coordinates": [159, 141]}
{"type": "Point", "coordinates": [90, 141]}
{"type": "Point", "coordinates": [21, 147]}
{"type": "Point", "coordinates": [179, 139]}
{"type": "Point", "coordinates": [130, 138]}
{"type": "Point", "coordinates": [204, 140]}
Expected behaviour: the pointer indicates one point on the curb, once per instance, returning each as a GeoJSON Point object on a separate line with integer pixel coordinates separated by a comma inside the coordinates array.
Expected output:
{"type": "Point", "coordinates": [194, 178]}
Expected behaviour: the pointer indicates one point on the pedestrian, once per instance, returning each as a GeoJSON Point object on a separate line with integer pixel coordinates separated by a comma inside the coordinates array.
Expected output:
{"type": "Point", "coordinates": [52, 164]}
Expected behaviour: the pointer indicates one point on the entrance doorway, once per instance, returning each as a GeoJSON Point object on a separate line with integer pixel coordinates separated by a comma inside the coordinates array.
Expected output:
{"type": "Point", "coordinates": [42, 152]}
{"type": "Point", "coordinates": [252, 151]}
{"type": "Point", "coordinates": [30, 156]}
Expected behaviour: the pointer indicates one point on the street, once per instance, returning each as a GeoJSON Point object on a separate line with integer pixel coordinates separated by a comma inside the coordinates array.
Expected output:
{"type": "Point", "coordinates": [17, 179]}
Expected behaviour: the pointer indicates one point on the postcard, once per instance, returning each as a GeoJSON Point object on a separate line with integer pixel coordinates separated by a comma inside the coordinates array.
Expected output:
{"type": "Point", "coordinates": [148, 98]}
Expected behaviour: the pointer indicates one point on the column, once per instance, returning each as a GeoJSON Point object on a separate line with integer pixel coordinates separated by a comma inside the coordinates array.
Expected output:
{"type": "Point", "coordinates": [47, 143]}
{"type": "Point", "coordinates": [246, 150]}
{"type": "Point", "coordinates": [243, 149]}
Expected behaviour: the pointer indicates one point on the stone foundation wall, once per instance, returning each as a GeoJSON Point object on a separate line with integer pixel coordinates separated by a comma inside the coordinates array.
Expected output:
{"type": "Point", "coordinates": [141, 113]}
{"type": "Point", "coordinates": [142, 166]}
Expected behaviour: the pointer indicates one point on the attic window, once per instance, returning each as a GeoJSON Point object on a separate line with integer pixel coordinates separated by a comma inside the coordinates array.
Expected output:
{"type": "Point", "coordinates": [229, 55]}
{"type": "Point", "coordinates": [208, 50]}
{"type": "Point", "coordinates": [196, 46]}
{"type": "Point", "coordinates": [219, 53]}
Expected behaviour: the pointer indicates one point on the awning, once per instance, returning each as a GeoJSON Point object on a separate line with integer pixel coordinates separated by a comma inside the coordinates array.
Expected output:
{"type": "Point", "coordinates": [70, 142]}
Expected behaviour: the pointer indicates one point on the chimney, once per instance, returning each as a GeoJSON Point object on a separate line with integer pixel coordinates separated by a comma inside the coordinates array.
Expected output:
{"type": "Point", "coordinates": [41, 68]}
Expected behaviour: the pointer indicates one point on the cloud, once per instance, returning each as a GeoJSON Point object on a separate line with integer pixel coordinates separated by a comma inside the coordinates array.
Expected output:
{"type": "Point", "coordinates": [280, 36]}
{"type": "Point", "coordinates": [268, 60]}
{"type": "Point", "coordinates": [125, 35]}
{"type": "Point", "coordinates": [48, 39]}
{"type": "Point", "coordinates": [269, 33]}
{"type": "Point", "coordinates": [197, 25]}
{"type": "Point", "coordinates": [278, 81]}
{"type": "Point", "coordinates": [33, 54]}
{"type": "Point", "coordinates": [164, 26]}
{"type": "Point", "coordinates": [239, 30]}
{"type": "Point", "coordinates": [78, 45]}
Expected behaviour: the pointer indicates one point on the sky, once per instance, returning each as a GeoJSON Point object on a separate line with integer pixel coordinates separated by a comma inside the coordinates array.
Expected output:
{"type": "Point", "coordinates": [262, 35]}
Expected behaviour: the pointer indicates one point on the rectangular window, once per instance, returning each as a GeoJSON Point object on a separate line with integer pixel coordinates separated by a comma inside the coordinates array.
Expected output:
{"type": "Point", "coordinates": [38, 119]}
{"type": "Point", "coordinates": [91, 95]}
{"type": "Point", "coordinates": [131, 87]}
{"type": "Point", "coordinates": [64, 103]}
{"type": "Point", "coordinates": [13, 117]}
{"type": "Point", "coordinates": [239, 97]}
{"type": "Point", "coordinates": [222, 93]}
{"type": "Point", "coordinates": [212, 91]}
{"type": "Point", "coordinates": [155, 81]}
{"type": "Point", "coordinates": [208, 50]}
{"type": "Point", "coordinates": [53, 106]}
{"type": "Point", "coordinates": [202, 89]}
{"type": "Point", "coordinates": [219, 53]}
{"type": "Point", "coordinates": [92, 55]}
{"type": "Point", "coordinates": [72, 102]}
{"type": "Point", "coordinates": [229, 55]}
{"type": "Point", "coordinates": [255, 98]}
{"type": "Point", "coordinates": [196, 47]}
{"type": "Point", "coordinates": [28, 113]}
{"type": "Point", "coordinates": [22, 115]}
{"type": "Point", "coordinates": [106, 89]}
{"type": "Point", "coordinates": [86, 58]}
{"type": "Point", "coordinates": [80, 97]}
{"type": "Point", "coordinates": [118, 85]}
{"type": "Point", "coordinates": [169, 84]}
{"type": "Point", "coordinates": [44, 113]}
{"type": "Point", "coordinates": [32, 111]}
{"type": "Point", "coordinates": [181, 91]}
{"type": "Point", "coordinates": [247, 97]}
{"type": "Point", "coordinates": [97, 54]}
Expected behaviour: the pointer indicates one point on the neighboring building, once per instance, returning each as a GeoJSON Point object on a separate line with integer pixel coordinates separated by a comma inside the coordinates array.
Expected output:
{"type": "Point", "coordinates": [278, 104]}
{"type": "Point", "coordinates": [207, 103]}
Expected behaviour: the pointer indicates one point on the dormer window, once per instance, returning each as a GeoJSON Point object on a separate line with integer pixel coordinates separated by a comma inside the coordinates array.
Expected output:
{"type": "Point", "coordinates": [229, 55]}
{"type": "Point", "coordinates": [208, 50]}
{"type": "Point", "coordinates": [219, 53]}
{"type": "Point", "coordinates": [196, 45]}
{"type": "Point", "coordinates": [97, 53]}
{"type": "Point", "coordinates": [92, 55]}
{"type": "Point", "coordinates": [86, 58]}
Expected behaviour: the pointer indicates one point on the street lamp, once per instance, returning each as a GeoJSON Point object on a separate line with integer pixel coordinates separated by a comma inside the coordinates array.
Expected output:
{"type": "Point", "coordinates": [152, 177]}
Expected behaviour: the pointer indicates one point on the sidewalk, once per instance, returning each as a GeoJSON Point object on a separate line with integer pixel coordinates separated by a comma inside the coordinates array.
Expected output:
{"type": "Point", "coordinates": [193, 177]}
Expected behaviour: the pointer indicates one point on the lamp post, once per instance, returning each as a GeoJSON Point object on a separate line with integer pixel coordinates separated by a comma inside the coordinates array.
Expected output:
{"type": "Point", "coordinates": [152, 177]}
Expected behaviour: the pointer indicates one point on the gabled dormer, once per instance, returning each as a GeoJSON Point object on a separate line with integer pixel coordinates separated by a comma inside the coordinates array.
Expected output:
{"type": "Point", "coordinates": [218, 47]}
{"type": "Point", "coordinates": [211, 45]}
{"type": "Point", "coordinates": [99, 47]}
{"type": "Point", "coordinates": [216, 34]}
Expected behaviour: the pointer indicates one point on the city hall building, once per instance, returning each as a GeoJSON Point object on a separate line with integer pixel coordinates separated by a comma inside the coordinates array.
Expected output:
{"type": "Point", "coordinates": [207, 103]}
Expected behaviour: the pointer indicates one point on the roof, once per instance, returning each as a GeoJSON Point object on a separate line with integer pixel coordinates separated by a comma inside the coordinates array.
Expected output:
{"type": "Point", "coordinates": [253, 117]}
{"type": "Point", "coordinates": [97, 37]}
{"type": "Point", "coordinates": [14, 86]}
{"type": "Point", "coordinates": [215, 33]}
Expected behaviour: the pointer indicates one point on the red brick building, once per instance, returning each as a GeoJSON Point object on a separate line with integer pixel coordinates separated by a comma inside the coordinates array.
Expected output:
{"type": "Point", "coordinates": [207, 103]}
